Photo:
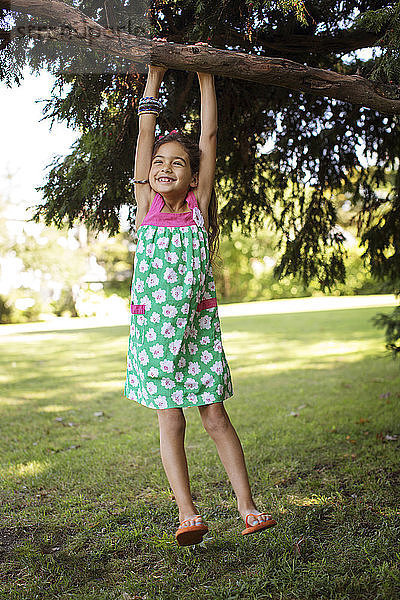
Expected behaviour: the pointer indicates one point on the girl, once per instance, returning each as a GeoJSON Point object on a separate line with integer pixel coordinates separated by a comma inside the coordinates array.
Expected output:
{"type": "Point", "coordinates": [175, 355]}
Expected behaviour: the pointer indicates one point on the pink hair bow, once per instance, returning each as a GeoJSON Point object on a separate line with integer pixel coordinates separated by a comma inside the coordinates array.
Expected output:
{"type": "Point", "coordinates": [165, 134]}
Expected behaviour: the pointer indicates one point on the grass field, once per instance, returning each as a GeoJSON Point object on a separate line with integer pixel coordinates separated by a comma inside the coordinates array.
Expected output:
{"type": "Point", "coordinates": [86, 512]}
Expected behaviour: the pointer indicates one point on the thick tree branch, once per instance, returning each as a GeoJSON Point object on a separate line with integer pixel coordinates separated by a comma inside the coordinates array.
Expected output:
{"type": "Point", "coordinates": [82, 30]}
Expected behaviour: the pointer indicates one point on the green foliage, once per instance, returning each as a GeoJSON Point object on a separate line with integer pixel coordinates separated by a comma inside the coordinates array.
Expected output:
{"type": "Point", "coordinates": [391, 322]}
{"type": "Point", "coordinates": [386, 22]}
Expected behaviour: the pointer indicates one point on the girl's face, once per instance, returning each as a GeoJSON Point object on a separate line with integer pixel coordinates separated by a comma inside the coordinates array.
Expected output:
{"type": "Point", "coordinates": [170, 171]}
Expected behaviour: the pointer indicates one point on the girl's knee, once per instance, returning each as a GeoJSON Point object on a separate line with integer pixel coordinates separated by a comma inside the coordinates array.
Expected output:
{"type": "Point", "coordinates": [172, 419]}
{"type": "Point", "coordinates": [215, 419]}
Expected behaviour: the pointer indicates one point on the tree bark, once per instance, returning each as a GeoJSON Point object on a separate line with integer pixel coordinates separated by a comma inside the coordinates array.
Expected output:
{"type": "Point", "coordinates": [77, 28]}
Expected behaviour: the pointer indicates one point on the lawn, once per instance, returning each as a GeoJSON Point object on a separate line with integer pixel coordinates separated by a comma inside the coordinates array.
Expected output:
{"type": "Point", "coordinates": [86, 511]}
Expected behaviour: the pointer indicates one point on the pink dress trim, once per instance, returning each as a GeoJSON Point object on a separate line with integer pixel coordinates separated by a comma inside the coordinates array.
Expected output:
{"type": "Point", "coordinates": [138, 309]}
{"type": "Point", "coordinates": [156, 217]}
{"type": "Point", "coordinates": [207, 303]}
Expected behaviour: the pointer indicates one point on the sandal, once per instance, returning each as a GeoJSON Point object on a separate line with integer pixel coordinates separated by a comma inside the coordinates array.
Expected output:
{"type": "Point", "coordinates": [259, 526]}
{"type": "Point", "coordinates": [193, 534]}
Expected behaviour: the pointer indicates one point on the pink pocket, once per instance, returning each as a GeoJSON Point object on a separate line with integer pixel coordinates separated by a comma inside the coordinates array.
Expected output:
{"type": "Point", "coordinates": [138, 309]}
{"type": "Point", "coordinates": [207, 303]}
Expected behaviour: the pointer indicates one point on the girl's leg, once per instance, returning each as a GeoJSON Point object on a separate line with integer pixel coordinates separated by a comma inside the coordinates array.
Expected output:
{"type": "Point", "coordinates": [217, 424]}
{"type": "Point", "coordinates": [172, 425]}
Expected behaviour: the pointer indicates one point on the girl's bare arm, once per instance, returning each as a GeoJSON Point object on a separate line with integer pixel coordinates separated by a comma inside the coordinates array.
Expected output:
{"type": "Point", "coordinates": [144, 145]}
{"type": "Point", "coordinates": [208, 140]}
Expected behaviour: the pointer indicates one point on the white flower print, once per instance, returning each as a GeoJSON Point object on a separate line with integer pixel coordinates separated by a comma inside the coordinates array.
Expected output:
{"type": "Point", "coordinates": [149, 234]}
{"type": "Point", "coordinates": [217, 367]}
{"type": "Point", "coordinates": [179, 376]}
{"type": "Point", "coordinates": [192, 398]}
{"type": "Point", "coordinates": [151, 387]}
{"type": "Point", "coordinates": [211, 286]}
{"type": "Point", "coordinates": [139, 247]}
{"type": "Point", "coordinates": [208, 398]}
{"type": "Point", "coordinates": [191, 384]}
{"type": "Point", "coordinates": [181, 268]}
{"type": "Point", "coordinates": [196, 243]}
{"type": "Point", "coordinates": [174, 347]}
{"type": "Point", "coordinates": [171, 257]}
{"type": "Point", "coordinates": [161, 401]}
{"type": "Point", "coordinates": [198, 217]}
{"type": "Point", "coordinates": [159, 295]}
{"type": "Point", "coordinates": [133, 380]}
{"type": "Point", "coordinates": [206, 356]}
{"type": "Point", "coordinates": [193, 368]}
{"type": "Point", "coordinates": [193, 348]}
{"type": "Point", "coordinates": [176, 240]}
{"type": "Point", "coordinates": [151, 335]}
{"type": "Point", "coordinates": [143, 266]}
{"type": "Point", "coordinates": [147, 303]}
{"type": "Point", "coordinates": [167, 383]}
{"type": "Point", "coordinates": [177, 292]}
{"type": "Point", "coordinates": [150, 250]}
{"type": "Point", "coordinates": [170, 275]}
{"type": "Point", "coordinates": [177, 397]}
{"type": "Point", "coordinates": [169, 311]}
{"type": "Point", "coordinates": [157, 351]}
{"type": "Point", "coordinates": [186, 242]}
{"type": "Point", "coordinates": [167, 366]}
{"type": "Point", "coordinates": [203, 253]}
{"type": "Point", "coordinates": [155, 317]}
{"type": "Point", "coordinates": [139, 285]}
{"type": "Point", "coordinates": [152, 372]}
{"type": "Point", "coordinates": [143, 357]}
{"type": "Point", "coordinates": [207, 380]}
{"type": "Point", "coordinates": [168, 330]}
{"type": "Point", "coordinates": [181, 322]}
{"type": "Point", "coordinates": [189, 278]}
{"type": "Point", "coordinates": [184, 256]}
{"type": "Point", "coordinates": [185, 308]}
{"type": "Point", "coordinates": [217, 326]}
{"type": "Point", "coordinates": [201, 236]}
{"type": "Point", "coordinates": [205, 340]}
{"type": "Point", "coordinates": [162, 243]}
{"type": "Point", "coordinates": [205, 322]}
{"type": "Point", "coordinates": [196, 262]}
{"type": "Point", "coordinates": [220, 389]}
{"type": "Point", "coordinates": [152, 280]}
{"type": "Point", "coordinates": [182, 362]}
{"type": "Point", "coordinates": [157, 263]}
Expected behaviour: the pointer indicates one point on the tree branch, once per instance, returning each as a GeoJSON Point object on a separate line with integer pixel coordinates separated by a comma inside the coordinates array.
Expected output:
{"type": "Point", "coordinates": [267, 71]}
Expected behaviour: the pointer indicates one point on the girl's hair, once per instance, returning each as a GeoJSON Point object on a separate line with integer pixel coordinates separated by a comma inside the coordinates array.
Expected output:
{"type": "Point", "coordinates": [193, 152]}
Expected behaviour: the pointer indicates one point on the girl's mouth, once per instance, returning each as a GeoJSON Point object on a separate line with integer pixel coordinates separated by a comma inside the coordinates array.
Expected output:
{"type": "Point", "coordinates": [165, 179]}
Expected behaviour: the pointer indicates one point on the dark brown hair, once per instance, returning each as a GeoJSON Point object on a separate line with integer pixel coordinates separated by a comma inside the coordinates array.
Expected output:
{"type": "Point", "coordinates": [194, 152]}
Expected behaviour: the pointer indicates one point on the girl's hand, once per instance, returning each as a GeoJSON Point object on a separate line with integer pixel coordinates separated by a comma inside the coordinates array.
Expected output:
{"type": "Point", "coordinates": [154, 68]}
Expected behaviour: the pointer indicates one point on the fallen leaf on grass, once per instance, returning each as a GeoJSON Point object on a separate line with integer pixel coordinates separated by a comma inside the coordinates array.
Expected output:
{"type": "Point", "coordinates": [293, 414]}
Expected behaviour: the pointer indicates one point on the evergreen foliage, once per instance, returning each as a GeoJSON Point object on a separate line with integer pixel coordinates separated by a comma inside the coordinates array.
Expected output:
{"type": "Point", "coordinates": [270, 139]}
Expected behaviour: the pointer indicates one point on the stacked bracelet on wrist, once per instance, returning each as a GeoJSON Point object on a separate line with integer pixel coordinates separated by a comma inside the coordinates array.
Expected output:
{"type": "Point", "coordinates": [140, 181]}
{"type": "Point", "coordinates": [149, 104]}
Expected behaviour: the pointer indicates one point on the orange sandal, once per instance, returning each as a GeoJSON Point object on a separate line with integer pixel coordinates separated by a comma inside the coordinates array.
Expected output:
{"type": "Point", "coordinates": [263, 525]}
{"type": "Point", "coordinates": [186, 536]}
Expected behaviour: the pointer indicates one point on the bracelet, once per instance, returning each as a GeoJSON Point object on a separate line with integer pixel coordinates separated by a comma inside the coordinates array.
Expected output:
{"type": "Point", "coordinates": [140, 181]}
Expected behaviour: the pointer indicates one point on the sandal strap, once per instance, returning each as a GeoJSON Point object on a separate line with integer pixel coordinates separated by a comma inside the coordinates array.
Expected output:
{"type": "Point", "coordinates": [255, 516]}
{"type": "Point", "coordinates": [191, 519]}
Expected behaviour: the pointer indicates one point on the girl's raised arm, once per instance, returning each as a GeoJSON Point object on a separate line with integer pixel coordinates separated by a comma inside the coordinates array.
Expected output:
{"type": "Point", "coordinates": [145, 143]}
{"type": "Point", "coordinates": [208, 140]}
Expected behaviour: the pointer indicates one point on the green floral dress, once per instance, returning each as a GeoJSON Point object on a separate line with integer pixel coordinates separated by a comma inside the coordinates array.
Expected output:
{"type": "Point", "coordinates": [175, 355]}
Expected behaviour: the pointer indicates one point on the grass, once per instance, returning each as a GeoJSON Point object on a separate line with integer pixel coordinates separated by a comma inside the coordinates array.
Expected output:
{"type": "Point", "coordinates": [86, 512]}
